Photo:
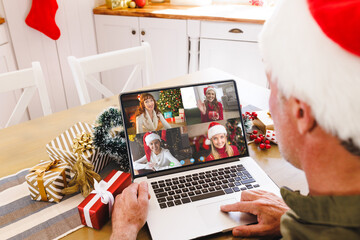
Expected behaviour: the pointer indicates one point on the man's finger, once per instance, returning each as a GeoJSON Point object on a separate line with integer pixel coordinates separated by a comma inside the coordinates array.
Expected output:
{"type": "Point", "coordinates": [143, 193]}
{"type": "Point", "coordinates": [255, 230]}
{"type": "Point", "coordinates": [240, 207]}
{"type": "Point", "coordinates": [251, 195]}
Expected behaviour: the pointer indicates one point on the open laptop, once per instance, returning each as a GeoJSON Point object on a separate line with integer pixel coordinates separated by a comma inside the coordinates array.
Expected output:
{"type": "Point", "coordinates": [186, 193]}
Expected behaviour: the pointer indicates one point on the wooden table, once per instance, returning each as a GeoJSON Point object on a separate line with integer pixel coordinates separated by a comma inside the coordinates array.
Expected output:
{"type": "Point", "coordinates": [23, 145]}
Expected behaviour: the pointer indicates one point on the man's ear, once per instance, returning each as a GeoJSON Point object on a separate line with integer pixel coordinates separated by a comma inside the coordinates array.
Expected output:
{"type": "Point", "coordinates": [304, 119]}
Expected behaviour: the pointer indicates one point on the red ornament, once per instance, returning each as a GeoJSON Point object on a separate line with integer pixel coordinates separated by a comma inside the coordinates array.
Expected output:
{"type": "Point", "coordinates": [255, 132]}
{"type": "Point", "coordinates": [262, 145]}
{"type": "Point", "coordinates": [258, 140]}
{"type": "Point", "coordinates": [267, 146]}
{"type": "Point", "coordinates": [267, 142]}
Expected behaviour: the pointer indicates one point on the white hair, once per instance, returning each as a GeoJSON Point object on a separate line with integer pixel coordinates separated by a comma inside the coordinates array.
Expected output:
{"type": "Point", "coordinates": [308, 65]}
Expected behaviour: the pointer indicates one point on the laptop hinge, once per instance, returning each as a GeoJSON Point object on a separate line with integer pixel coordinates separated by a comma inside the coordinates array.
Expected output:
{"type": "Point", "coordinates": [191, 167]}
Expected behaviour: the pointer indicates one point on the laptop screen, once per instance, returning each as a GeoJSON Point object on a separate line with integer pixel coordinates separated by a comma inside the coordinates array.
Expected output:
{"type": "Point", "coordinates": [182, 126]}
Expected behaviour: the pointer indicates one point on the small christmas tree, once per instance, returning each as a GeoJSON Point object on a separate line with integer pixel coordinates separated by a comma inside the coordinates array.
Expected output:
{"type": "Point", "coordinates": [170, 101]}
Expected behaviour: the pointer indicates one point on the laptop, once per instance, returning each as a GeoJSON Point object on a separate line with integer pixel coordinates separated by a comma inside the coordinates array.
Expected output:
{"type": "Point", "coordinates": [189, 175]}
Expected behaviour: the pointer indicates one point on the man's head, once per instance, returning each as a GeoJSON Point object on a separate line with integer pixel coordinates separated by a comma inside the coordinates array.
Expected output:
{"type": "Point", "coordinates": [311, 52]}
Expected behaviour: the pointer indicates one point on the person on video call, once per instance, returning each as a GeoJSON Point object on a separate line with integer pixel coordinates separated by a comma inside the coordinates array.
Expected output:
{"type": "Point", "coordinates": [148, 115]}
{"type": "Point", "coordinates": [156, 158]}
{"type": "Point", "coordinates": [311, 53]}
{"type": "Point", "coordinates": [217, 138]}
{"type": "Point", "coordinates": [210, 109]}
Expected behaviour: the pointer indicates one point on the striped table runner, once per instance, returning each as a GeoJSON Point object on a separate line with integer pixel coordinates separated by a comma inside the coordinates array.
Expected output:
{"type": "Point", "coordinates": [23, 218]}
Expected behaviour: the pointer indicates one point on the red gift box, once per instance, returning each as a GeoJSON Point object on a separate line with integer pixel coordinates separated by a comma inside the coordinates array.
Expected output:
{"type": "Point", "coordinates": [213, 115]}
{"type": "Point", "coordinates": [93, 212]}
{"type": "Point", "coordinates": [170, 120]}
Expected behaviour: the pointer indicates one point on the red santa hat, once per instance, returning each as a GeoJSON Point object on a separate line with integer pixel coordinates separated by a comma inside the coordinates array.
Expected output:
{"type": "Point", "coordinates": [208, 89]}
{"type": "Point", "coordinates": [147, 139]}
{"type": "Point", "coordinates": [213, 129]}
{"type": "Point", "coordinates": [311, 48]}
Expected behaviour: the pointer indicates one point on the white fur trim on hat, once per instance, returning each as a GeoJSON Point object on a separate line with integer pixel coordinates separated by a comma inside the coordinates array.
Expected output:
{"type": "Point", "coordinates": [216, 129]}
{"type": "Point", "coordinates": [308, 65]}
{"type": "Point", "coordinates": [151, 137]}
{"type": "Point", "coordinates": [210, 88]}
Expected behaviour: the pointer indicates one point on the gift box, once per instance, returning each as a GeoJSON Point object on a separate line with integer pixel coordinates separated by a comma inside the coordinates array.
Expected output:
{"type": "Point", "coordinates": [264, 121]}
{"type": "Point", "coordinates": [61, 148]}
{"type": "Point", "coordinates": [47, 179]}
{"type": "Point", "coordinates": [271, 136]}
{"type": "Point", "coordinates": [112, 4]}
{"type": "Point", "coordinates": [213, 115]}
{"type": "Point", "coordinates": [179, 119]}
{"type": "Point", "coordinates": [181, 112]}
{"type": "Point", "coordinates": [96, 208]}
{"type": "Point", "coordinates": [167, 115]}
{"type": "Point", "coordinates": [170, 120]}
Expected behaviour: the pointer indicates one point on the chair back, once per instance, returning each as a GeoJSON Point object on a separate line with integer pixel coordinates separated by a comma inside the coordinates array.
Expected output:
{"type": "Point", "coordinates": [84, 68]}
{"type": "Point", "coordinates": [30, 80]}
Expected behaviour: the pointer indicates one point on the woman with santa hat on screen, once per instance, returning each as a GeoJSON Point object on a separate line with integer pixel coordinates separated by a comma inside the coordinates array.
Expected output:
{"type": "Point", "coordinates": [156, 158]}
{"type": "Point", "coordinates": [217, 138]}
{"type": "Point", "coordinates": [210, 109]}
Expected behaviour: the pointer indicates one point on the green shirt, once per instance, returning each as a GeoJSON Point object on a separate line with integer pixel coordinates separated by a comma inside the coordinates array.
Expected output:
{"type": "Point", "coordinates": [320, 217]}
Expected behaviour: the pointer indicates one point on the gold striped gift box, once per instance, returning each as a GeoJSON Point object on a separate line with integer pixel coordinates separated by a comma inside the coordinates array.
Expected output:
{"type": "Point", "coordinates": [61, 148]}
{"type": "Point", "coordinates": [47, 179]}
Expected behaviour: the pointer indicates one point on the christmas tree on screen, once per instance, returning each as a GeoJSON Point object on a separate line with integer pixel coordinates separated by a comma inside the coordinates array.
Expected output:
{"type": "Point", "coordinates": [170, 101]}
{"type": "Point", "coordinates": [235, 135]}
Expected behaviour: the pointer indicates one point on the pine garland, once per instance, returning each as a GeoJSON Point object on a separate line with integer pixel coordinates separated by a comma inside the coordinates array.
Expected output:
{"type": "Point", "coordinates": [115, 146]}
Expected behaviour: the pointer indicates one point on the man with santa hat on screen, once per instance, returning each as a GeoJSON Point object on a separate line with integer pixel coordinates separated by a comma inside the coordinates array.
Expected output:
{"type": "Point", "coordinates": [311, 53]}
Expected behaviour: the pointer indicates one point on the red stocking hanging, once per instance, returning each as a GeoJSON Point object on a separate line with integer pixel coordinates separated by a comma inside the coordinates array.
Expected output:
{"type": "Point", "coordinates": [42, 18]}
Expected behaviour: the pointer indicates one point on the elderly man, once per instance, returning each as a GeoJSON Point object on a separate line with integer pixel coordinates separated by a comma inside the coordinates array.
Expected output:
{"type": "Point", "coordinates": [311, 51]}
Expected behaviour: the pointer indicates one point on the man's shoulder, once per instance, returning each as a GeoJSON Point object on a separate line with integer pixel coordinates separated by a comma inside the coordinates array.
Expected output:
{"type": "Point", "coordinates": [293, 227]}
{"type": "Point", "coordinates": [320, 217]}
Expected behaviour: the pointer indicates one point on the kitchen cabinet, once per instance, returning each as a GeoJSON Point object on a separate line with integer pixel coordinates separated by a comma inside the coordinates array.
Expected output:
{"type": "Point", "coordinates": [233, 48]}
{"type": "Point", "coordinates": [76, 23]}
{"type": "Point", "coordinates": [167, 37]}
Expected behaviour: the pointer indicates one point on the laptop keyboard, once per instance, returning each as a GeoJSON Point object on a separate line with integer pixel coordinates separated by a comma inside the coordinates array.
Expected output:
{"type": "Point", "coordinates": [203, 185]}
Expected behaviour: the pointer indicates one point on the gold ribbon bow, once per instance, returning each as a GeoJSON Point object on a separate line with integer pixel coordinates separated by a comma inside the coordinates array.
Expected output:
{"type": "Point", "coordinates": [82, 143]}
{"type": "Point", "coordinates": [84, 174]}
{"type": "Point", "coordinates": [40, 170]}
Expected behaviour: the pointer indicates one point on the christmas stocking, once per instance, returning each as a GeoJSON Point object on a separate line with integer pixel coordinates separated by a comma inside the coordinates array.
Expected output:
{"type": "Point", "coordinates": [42, 18]}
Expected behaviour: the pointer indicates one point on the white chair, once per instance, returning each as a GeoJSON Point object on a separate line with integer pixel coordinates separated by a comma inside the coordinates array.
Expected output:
{"type": "Point", "coordinates": [29, 80]}
{"type": "Point", "coordinates": [83, 68]}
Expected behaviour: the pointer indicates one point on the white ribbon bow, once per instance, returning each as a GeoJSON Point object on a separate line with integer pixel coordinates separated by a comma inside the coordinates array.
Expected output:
{"type": "Point", "coordinates": [100, 189]}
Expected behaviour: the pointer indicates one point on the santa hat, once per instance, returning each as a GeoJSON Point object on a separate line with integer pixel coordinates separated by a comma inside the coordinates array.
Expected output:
{"type": "Point", "coordinates": [213, 129]}
{"type": "Point", "coordinates": [208, 89]}
{"type": "Point", "coordinates": [147, 139]}
{"type": "Point", "coordinates": [312, 50]}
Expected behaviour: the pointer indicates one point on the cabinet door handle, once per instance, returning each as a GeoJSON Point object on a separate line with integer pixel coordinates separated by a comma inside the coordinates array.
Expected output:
{"type": "Point", "coordinates": [235, 30]}
{"type": "Point", "coordinates": [143, 32]}
{"type": "Point", "coordinates": [133, 32]}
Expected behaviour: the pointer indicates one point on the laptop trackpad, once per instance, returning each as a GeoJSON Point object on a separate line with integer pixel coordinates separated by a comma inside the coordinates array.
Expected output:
{"type": "Point", "coordinates": [213, 217]}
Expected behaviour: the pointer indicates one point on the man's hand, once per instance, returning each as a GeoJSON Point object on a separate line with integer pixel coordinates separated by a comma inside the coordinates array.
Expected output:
{"type": "Point", "coordinates": [130, 211]}
{"type": "Point", "coordinates": [266, 206]}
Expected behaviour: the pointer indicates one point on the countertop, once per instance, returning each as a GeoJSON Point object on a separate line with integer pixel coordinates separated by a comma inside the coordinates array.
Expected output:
{"type": "Point", "coordinates": [2, 20]}
{"type": "Point", "coordinates": [214, 12]}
